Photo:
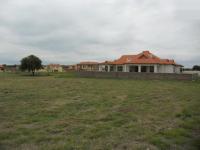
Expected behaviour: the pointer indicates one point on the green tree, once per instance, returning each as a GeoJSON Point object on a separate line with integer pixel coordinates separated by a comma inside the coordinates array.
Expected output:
{"type": "Point", "coordinates": [196, 67]}
{"type": "Point", "coordinates": [31, 64]}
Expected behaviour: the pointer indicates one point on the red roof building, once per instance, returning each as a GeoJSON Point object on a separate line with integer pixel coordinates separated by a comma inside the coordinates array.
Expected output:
{"type": "Point", "coordinates": [88, 66]}
{"type": "Point", "coordinates": [143, 58]}
{"type": "Point", "coordinates": [2, 68]}
{"type": "Point", "coordinates": [54, 68]}
{"type": "Point", "coordinates": [142, 62]}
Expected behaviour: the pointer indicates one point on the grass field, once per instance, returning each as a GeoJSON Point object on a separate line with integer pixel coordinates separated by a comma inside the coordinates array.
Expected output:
{"type": "Point", "coordinates": [64, 112]}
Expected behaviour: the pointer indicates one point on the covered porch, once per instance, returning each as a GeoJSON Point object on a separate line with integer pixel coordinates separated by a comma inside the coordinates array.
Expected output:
{"type": "Point", "coordinates": [131, 68]}
{"type": "Point", "coordinates": [142, 68]}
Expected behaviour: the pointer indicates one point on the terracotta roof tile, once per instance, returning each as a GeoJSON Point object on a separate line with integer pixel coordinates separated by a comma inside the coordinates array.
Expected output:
{"type": "Point", "coordinates": [54, 65]}
{"type": "Point", "coordinates": [145, 57]}
{"type": "Point", "coordinates": [106, 62]}
{"type": "Point", "coordinates": [88, 63]}
{"type": "Point", "coordinates": [1, 67]}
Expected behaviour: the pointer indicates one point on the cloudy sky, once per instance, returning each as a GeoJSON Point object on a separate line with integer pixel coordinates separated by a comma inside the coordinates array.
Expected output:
{"type": "Point", "coordinates": [69, 31]}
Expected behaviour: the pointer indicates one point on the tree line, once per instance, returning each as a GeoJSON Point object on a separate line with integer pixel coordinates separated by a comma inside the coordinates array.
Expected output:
{"type": "Point", "coordinates": [196, 68]}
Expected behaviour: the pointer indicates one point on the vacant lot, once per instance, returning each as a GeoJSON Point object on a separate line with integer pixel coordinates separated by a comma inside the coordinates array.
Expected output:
{"type": "Point", "coordinates": [65, 112]}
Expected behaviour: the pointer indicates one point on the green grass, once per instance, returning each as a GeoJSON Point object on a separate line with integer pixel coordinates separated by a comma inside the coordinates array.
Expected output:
{"type": "Point", "coordinates": [62, 111]}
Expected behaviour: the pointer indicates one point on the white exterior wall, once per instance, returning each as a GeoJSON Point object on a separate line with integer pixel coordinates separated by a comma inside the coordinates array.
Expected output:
{"type": "Point", "coordinates": [60, 69]}
{"type": "Point", "coordinates": [157, 68]}
{"type": "Point", "coordinates": [126, 68]}
{"type": "Point", "coordinates": [101, 67]}
{"type": "Point", "coordinates": [177, 69]}
{"type": "Point", "coordinates": [192, 72]}
{"type": "Point", "coordinates": [166, 69]}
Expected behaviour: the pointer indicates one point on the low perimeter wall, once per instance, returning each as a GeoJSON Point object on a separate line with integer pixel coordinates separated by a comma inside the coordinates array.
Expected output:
{"type": "Point", "coordinates": [156, 76]}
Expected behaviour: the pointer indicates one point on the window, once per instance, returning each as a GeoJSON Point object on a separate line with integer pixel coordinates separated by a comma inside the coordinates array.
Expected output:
{"type": "Point", "coordinates": [133, 69]}
{"type": "Point", "coordinates": [151, 68]}
{"type": "Point", "coordinates": [106, 68]}
{"type": "Point", "coordinates": [83, 66]}
{"type": "Point", "coordinates": [111, 68]}
{"type": "Point", "coordinates": [143, 68]}
{"type": "Point", "coordinates": [120, 68]}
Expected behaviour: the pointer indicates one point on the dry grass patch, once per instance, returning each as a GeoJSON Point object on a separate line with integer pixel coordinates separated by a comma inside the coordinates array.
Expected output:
{"type": "Point", "coordinates": [62, 111]}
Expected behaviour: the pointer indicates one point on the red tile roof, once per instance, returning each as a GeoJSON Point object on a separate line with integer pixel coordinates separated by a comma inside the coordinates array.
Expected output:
{"type": "Point", "coordinates": [1, 67]}
{"type": "Point", "coordinates": [145, 57]}
{"type": "Point", "coordinates": [88, 63]}
{"type": "Point", "coordinates": [54, 65]}
{"type": "Point", "coordinates": [106, 62]}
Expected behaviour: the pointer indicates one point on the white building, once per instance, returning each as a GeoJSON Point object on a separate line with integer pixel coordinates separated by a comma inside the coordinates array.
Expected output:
{"type": "Point", "coordinates": [54, 68]}
{"type": "Point", "coordinates": [143, 62]}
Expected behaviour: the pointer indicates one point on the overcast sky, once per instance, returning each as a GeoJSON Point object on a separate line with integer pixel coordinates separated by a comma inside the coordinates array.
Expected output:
{"type": "Point", "coordinates": [70, 31]}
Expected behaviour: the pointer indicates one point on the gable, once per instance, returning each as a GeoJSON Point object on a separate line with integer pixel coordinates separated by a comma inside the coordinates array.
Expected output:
{"type": "Point", "coordinates": [143, 57]}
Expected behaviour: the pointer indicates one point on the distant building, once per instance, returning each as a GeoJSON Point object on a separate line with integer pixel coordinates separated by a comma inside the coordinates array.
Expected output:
{"type": "Point", "coordinates": [43, 69]}
{"type": "Point", "coordinates": [69, 67]}
{"type": "Point", "coordinates": [2, 68]}
{"type": "Point", "coordinates": [142, 62]}
{"type": "Point", "coordinates": [11, 68]}
{"type": "Point", "coordinates": [54, 68]}
{"type": "Point", "coordinates": [88, 66]}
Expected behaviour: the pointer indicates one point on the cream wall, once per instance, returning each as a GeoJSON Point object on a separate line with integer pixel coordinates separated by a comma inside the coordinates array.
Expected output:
{"type": "Point", "coordinates": [177, 69]}
{"type": "Point", "coordinates": [168, 69]}
{"type": "Point", "coordinates": [157, 68]}
{"type": "Point", "coordinates": [192, 72]}
{"type": "Point", "coordinates": [101, 67]}
{"type": "Point", "coordinates": [54, 69]}
{"type": "Point", "coordinates": [165, 69]}
{"type": "Point", "coordinates": [88, 67]}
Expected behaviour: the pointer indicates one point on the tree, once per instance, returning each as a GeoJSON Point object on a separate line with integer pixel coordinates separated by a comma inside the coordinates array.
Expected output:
{"type": "Point", "coordinates": [31, 64]}
{"type": "Point", "coordinates": [196, 67]}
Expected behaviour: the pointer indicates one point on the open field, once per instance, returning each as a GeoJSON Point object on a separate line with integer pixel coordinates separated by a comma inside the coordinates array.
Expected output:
{"type": "Point", "coordinates": [65, 112]}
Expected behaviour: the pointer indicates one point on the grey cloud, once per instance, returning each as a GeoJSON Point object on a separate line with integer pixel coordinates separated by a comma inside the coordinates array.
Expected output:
{"type": "Point", "coordinates": [66, 31]}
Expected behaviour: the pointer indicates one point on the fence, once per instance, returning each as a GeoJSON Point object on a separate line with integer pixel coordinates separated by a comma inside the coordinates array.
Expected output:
{"type": "Point", "coordinates": [131, 75]}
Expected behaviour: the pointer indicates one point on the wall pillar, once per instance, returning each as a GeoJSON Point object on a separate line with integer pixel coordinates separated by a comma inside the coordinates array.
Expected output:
{"type": "Point", "coordinates": [128, 68]}
{"type": "Point", "coordinates": [148, 69]}
{"type": "Point", "coordinates": [108, 68]}
{"type": "Point", "coordinates": [155, 69]}
{"type": "Point", "coordinates": [100, 69]}
{"type": "Point", "coordinates": [139, 68]}
{"type": "Point", "coordinates": [125, 68]}
{"type": "Point", "coordinates": [115, 68]}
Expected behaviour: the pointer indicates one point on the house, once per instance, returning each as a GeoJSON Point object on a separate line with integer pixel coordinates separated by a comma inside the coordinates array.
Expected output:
{"type": "Point", "coordinates": [142, 62]}
{"type": "Point", "coordinates": [69, 67]}
{"type": "Point", "coordinates": [43, 69]}
{"type": "Point", "coordinates": [54, 68]}
{"type": "Point", "coordinates": [11, 68]}
{"type": "Point", "coordinates": [88, 66]}
{"type": "Point", "coordinates": [2, 68]}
